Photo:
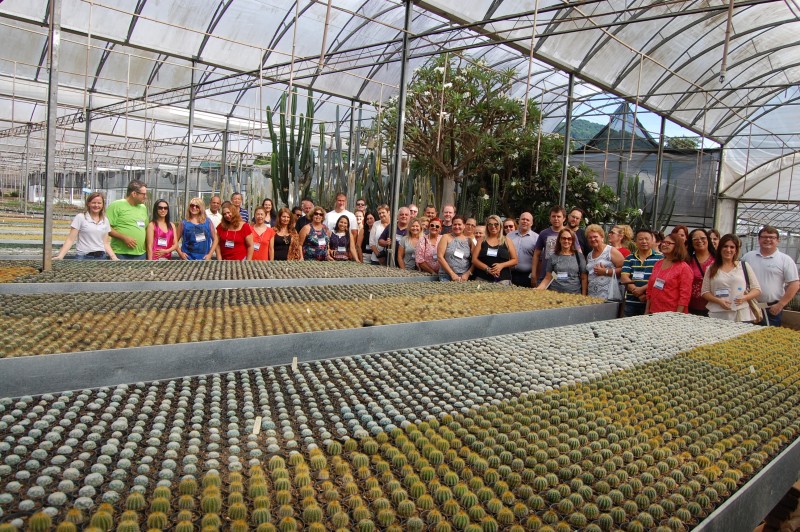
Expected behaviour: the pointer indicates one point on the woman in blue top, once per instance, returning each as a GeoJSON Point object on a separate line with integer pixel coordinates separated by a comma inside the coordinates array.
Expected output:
{"type": "Point", "coordinates": [198, 237]}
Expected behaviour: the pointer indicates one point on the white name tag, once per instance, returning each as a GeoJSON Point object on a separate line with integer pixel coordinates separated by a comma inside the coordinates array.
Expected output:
{"type": "Point", "coordinates": [229, 243]}
{"type": "Point", "coordinates": [341, 249]}
{"type": "Point", "coordinates": [200, 237]}
{"type": "Point", "coordinates": [458, 254]}
{"type": "Point", "coordinates": [322, 244]}
{"type": "Point", "coordinates": [722, 292]}
{"type": "Point", "coordinates": [660, 284]}
{"type": "Point", "coordinates": [140, 223]}
{"type": "Point", "coordinates": [397, 238]}
{"type": "Point", "coordinates": [562, 276]}
{"type": "Point", "coordinates": [435, 258]}
{"type": "Point", "coordinates": [256, 247]}
{"type": "Point", "coordinates": [162, 242]}
{"type": "Point", "coordinates": [491, 252]}
{"type": "Point", "coordinates": [638, 276]}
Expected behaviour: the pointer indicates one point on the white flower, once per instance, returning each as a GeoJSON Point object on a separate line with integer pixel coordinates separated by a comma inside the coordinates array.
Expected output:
{"type": "Point", "coordinates": [426, 93]}
{"type": "Point", "coordinates": [486, 196]}
{"type": "Point", "coordinates": [465, 94]}
{"type": "Point", "coordinates": [447, 85]}
{"type": "Point", "coordinates": [440, 70]}
{"type": "Point", "coordinates": [640, 211]}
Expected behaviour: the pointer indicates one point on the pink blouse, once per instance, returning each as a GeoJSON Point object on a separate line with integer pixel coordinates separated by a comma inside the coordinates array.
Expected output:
{"type": "Point", "coordinates": [426, 251]}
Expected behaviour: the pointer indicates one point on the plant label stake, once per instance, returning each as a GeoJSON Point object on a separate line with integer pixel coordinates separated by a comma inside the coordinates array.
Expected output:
{"type": "Point", "coordinates": [257, 426]}
{"type": "Point", "coordinates": [294, 364]}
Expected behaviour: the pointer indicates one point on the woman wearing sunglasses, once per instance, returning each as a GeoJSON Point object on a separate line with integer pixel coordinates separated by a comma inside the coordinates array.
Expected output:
{"type": "Point", "coordinates": [197, 235]}
{"type": "Point", "coordinates": [494, 255]}
{"type": "Point", "coordinates": [161, 237]}
{"type": "Point", "coordinates": [314, 237]}
{"type": "Point", "coordinates": [427, 257]}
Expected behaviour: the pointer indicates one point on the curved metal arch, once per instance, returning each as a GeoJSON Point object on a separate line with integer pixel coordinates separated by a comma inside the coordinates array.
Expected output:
{"type": "Point", "coordinates": [137, 11]}
{"type": "Point", "coordinates": [608, 36]}
{"type": "Point", "coordinates": [100, 64]}
{"type": "Point", "coordinates": [222, 7]}
{"type": "Point", "coordinates": [673, 70]}
{"type": "Point", "coordinates": [765, 177]}
{"type": "Point", "coordinates": [765, 112]}
{"type": "Point", "coordinates": [285, 25]}
{"type": "Point", "coordinates": [749, 81]}
{"type": "Point", "coordinates": [766, 96]}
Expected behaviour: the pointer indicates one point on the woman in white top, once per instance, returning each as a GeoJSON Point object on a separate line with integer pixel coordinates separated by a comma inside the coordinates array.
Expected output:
{"type": "Point", "coordinates": [90, 230]}
{"type": "Point", "coordinates": [724, 284]}
{"type": "Point", "coordinates": [602, 262]}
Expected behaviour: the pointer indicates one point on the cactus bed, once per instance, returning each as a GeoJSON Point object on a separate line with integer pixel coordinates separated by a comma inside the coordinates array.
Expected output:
{"type": "Point", "coordinates": [625, 432]}
{"type": "Point", "coordinates": [59, 323]}
{"type": "Point", "coordinates": [70, 271]}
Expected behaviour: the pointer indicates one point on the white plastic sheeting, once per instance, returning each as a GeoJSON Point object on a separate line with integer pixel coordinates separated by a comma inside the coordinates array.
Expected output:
{"type": "Point", "coordinates": [665, 56]}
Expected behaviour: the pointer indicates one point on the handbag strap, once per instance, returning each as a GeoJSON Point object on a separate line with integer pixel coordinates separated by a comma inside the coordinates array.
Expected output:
{"type": "Point", "coordinates": [699, 266]}
{"type": "Point", "coordinates": [746, 277]}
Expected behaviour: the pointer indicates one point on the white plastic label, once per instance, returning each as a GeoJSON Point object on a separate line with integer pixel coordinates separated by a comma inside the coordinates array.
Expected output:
{"type": "Point", "coordinates": [458, 254]}
{"type": "Point", "coordinates": [229, 243]}
{"type": "Point", "coordinates": [322, 244]}
{"type": "Point", "coordinates": [491, 252]}
{"type": "Point", "coordinates": [162, 242]}
{"type": "Point", "coordinates": [660, 284]}
{"type": "Point", "coordinates": [562, 276]}
{"type": "Point", "coordinates": [256, 246]}
{"type": "Point", "coordinates": [140, 223]}
{"type": "Point", "coordinates": [638, 276]}
{"type": "Point", "coordinates": [341, 249]}
{"type": "Point", "coordinates": [722, 293]}
{"type": "Point", "coordinates": [200, 237]}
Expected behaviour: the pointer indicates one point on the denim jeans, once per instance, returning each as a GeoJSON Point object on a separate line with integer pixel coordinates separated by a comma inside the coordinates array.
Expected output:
{"type": "Point", "coordinates": [81, 256]}
{"type": "Point", "coordinates": [633, 309]}
{"type": "Point", "coordinates": [123, 256]}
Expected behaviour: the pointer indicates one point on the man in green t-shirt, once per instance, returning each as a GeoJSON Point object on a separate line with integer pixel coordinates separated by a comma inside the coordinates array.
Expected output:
{"type": "Point", "coordinates": [128, 219]}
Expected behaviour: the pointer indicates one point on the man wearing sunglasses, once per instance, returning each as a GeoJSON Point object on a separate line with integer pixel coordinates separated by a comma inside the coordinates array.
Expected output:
{"type": "Point", "coordinates": [128, 220]}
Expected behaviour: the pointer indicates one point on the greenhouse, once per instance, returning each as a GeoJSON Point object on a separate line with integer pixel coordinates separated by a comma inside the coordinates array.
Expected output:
{"type": "Point", "coordinates": [304, 395]}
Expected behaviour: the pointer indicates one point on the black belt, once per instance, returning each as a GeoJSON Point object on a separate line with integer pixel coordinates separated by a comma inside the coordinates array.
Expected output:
{"type": "Point", "coordinates": [95, 253]}
{"type": "Point", "coordinates": [772, 303]}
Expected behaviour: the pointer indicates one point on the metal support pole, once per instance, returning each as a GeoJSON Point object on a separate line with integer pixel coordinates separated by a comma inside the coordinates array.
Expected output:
{"type": "Point", "coordinates": [189, 140]}
{"type": "Point", "coordinates": [567, 138]}
{"type": "Point", "coordinates": [50, 150]}
{"type": "Point", "coordinates": [401, 122]}
{"type": "Point", "coordinates": [223, 166]}
{"type": "Point", "coordinates": [87, 155]}
{"type": "Point", "coordinates": [27, 171]}
{"type": "Point", "coordinates": [659, 172]}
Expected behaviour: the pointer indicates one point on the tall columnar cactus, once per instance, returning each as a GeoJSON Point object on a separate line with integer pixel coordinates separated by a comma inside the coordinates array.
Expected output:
{"type": "Point", "coordinates": [292, 157]}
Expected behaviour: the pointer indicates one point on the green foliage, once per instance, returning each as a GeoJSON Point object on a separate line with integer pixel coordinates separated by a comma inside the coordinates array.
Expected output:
{"type": "Point", "coordinates": [636, 208]}
{"type": "Point", "coordinates": [292, 157]}
{"type": "Point", "coordinates": [682, 143]}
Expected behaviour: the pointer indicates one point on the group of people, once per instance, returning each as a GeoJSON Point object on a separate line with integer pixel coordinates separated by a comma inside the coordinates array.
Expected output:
{"type": "Point", "coordinates": [695, 271]}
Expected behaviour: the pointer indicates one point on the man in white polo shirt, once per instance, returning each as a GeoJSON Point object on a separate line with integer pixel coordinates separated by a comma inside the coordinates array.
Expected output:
{"type": "Point", "coordinates": [776, 273]}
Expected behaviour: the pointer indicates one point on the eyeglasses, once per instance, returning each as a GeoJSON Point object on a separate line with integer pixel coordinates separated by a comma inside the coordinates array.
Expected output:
{"type": "Point", "coordinates": [508, 227]}
{"type": "Point", "coordinates": [434, 226]}
{"type": "Point", "coordinates": [614, 232]}
{"type": "Point", "coordinates": [493, 224]}
{"type": "Point", "coordinates": [699, 240]}
{"type": "Point", "coordinates": [361, 204]}
{"type": "Point", "coordinates": [194, 206]}
{"type": "Point", "coordinates": [667, 243]}
{"type": "Point", "coordinates": [318, 214]}
{"type": "Point", "coordinates": [566, 239]}
{"type": "Point", "coordinates": [164, 208]}
{"type": "Point", "coordinates": [768, 237]}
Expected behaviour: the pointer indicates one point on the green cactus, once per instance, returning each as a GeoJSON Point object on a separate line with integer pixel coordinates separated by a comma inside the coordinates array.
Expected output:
{"type": "Point", "coordinates": [102, 520]}
{"type": "Point", "coordinates": [287, 524]}
{"type": "Point", "coordinates": [135, 501]}
{"type": "Point", "coordinates": [237, 511]}
{"type": "Point", "coordinates": [266, 527]}
{"type": "Point", "coordinates": [157, 520]}
{"type": "Point", "coordinates": [184, 526]}
{"type": "Point", "coordinates": [211, 520]}
{"type": "Point", "coordinates": [160, 504]}
{"type": "Point", "coordinates": [39, 522]}
{"type": "Point", "coordinates": [66, 526]}
{"type": "Point", "coordinates": [239, 525]}
{"type": "Point", "coordinates": [128, 526]}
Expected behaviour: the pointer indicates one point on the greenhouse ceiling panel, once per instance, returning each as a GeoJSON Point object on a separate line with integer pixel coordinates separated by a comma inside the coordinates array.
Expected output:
{"type": "Point", "coordinates": [727, 70]}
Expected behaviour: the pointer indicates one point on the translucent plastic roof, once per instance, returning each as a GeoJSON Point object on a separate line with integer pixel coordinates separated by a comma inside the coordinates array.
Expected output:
{"type": "Point", "coordinates": [137, 59]}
